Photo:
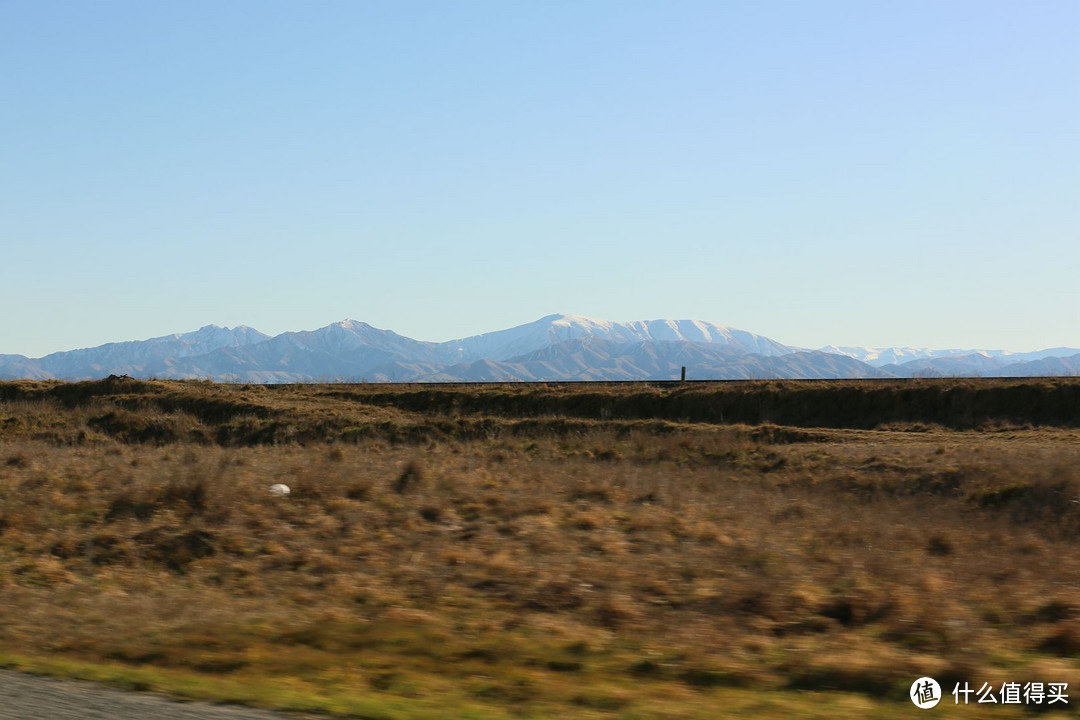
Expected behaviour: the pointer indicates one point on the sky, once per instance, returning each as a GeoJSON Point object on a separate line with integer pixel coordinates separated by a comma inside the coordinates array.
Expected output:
{"type": "Point", "coordinates": [826, 172]}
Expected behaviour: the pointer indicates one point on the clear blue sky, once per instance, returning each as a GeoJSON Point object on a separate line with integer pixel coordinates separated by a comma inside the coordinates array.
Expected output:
{"type": "Point", "coordinates": [874, 173]}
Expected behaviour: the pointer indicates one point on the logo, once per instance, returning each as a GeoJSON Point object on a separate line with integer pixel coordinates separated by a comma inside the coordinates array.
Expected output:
{"type": "Point", "coordinates": [925, 693]}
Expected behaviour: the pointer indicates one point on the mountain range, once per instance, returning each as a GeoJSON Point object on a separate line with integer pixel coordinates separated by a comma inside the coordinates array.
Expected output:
{"type": "Point", "coordinates": [555, 347]}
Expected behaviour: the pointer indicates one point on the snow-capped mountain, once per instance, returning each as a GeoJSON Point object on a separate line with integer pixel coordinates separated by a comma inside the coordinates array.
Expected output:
{"type": "Point", "coordinates": [554, 329]}
{"type": "Point", "coordinates": [880, 357]}
{"type": "Point", "coordinates": [892, 355]}
{"type": "Point", "coordinates": [555, 347]}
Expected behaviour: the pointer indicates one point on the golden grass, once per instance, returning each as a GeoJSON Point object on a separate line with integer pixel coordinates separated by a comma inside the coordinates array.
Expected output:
{"type": "Point", "coordinates": [496, 566]}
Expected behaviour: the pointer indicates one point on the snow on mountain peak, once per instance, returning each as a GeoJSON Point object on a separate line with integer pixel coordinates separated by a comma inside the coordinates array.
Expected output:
{"type": "Point", "coordinates": [554, 329]}
{"type": "Point", "coordinates": [563, 320]}
{"type": "Point", "coordinates": [555, 346]}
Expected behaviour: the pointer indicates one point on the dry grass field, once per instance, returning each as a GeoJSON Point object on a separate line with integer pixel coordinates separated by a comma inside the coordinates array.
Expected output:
{"type": "Point", "coordinates": [750, 549]}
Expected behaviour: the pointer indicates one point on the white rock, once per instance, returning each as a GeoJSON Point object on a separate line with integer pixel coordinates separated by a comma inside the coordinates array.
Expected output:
{"type": "Point", "coordinates": [280, 490]}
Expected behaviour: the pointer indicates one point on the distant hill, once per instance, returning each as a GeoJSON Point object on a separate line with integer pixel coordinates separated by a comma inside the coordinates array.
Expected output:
{"type": "Point", "coordinates": [555, 347]}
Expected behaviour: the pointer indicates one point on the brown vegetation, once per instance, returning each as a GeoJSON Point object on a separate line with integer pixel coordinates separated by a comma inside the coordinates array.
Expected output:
{"type": "Point", "coordinates": [541, 562]}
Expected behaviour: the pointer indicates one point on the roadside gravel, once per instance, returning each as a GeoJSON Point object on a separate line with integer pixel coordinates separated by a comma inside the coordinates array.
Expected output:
{"type": "Point", "coordinates": [27, 697]}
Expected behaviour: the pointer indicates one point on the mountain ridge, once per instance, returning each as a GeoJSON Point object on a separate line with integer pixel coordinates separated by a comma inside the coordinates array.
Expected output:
{"type": "Point", "coordinates": [554, 347]}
